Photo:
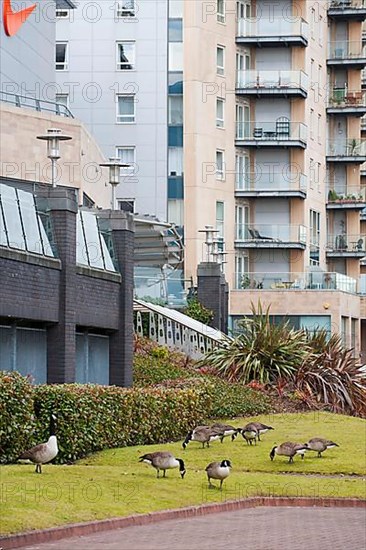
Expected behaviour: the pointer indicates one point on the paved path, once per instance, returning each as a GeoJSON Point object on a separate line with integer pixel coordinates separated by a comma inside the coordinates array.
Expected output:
{"type": "Point", "coordinates": [282, 528]}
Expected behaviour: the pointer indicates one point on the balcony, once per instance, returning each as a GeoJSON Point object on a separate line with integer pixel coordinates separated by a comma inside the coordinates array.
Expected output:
{"type": "Point", "coordinates": [279, 133]}
{"type": "Point", "coordinates": [350, 198]}
{"type": "Point", "coordinates": [277, 31]}
{"type": "Point", "coordinates": [270, 236]}
{"type": "Point", "coordinates": [347, 10]}
{"type": "Point", "coordinates": [272, 83]}
{"type": "Point", "coordinates": [316, 280]}
{"type": "Point", "coordinates": [271, 184]}
{"type": "Point", "coordinates": [346, 246]}
{"type": "Point", "coordinates": [363, 124]}
{"type": "Point", "coordinates": [347, 54]}
{"type": "Point", "coordinates": [342, 102]}
{"type": "Point", "coordinates": [346, 150]}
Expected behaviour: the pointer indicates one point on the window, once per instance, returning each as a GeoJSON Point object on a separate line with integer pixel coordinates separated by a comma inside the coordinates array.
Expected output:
{"type": "Point", "coordinates": [128, 156]}
{"type": "Point", "coordinates": [241, 222]}
{"type": "Point", "coordinates": [125, 8]}
{"type": "Point", "coordinates": [62, 54]}
{"type": "Point", "coordinates": [312, 22]}
{"type": "Point", "coordinates": [126, 109]}
{"type": "Point", "coordinates": [220, 165]}
{"type": "Point", "coordinates": [220, 207]}
{"type": "Point", "coordinates": [175, 110]}
{"type": "Point", "coordinates": [319, 132]}
{"type": "Point", "coordinates": [125, 56]}
{"type": "Point", "coordinates": [62, 13]}
{"type": "Point", "coordinates": [176, 8]}
{"type": "Point", "coordinates": [314, 237]}
{"type": "Point", "coordinates": [176, 56]}
{"type": "Point", "coordinates": [175, 161]}
{"type": "Point", "coordinates": [220, 113]}
{"type": "Point", "coordinates": [63, 99]}
{"type": "Point", "coordinates": [220, 10]}
{"type": "Point", "coordinates": [176, 211]}
{"type": "Point", "coordinates": [220, 60]}
{"type": "Point", "coordinates": [127, 205]}
{"type": "Point", "coordinates": [241, 172]}
{"type": "Point", "coordinates": [175, 27]}
{"type": "Point", "coordinates": [241, 269]}
{"type": "Point", "coordinates": [311, 123]}
{"type": "Point", "coordinates": [320, 68]}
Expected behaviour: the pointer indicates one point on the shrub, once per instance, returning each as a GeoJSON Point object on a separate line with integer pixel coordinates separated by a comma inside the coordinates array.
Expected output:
{"type": "Point", "coordinates": [229, 399]}
{"type": "Point", "coordinates": [16, 415]}
{"type": "Point", "coordinates": [198, 311]}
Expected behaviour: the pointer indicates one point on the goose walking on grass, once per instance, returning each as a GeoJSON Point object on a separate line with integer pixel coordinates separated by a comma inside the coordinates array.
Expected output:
{"type": "Point", "coordinates": [320, 445]}
{"type": "Point", "coordinates": [204, 435]}
{"type": "Point", "coordinates": [164, 461]}
{"type": "Point", "coordinates": [289, 449]}
{"type": "Point", "coordinates": [253, 430]}
{"type": "Point", "coordinates": [218, 470]}
{"type": "Point", "coordinates": [44, 452]}
{"type": "Point", "coordinates": [227, 430]}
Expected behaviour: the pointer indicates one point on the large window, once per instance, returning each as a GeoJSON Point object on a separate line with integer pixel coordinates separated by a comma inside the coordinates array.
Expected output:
{"type": "Point", "coordinates": [125, 8]}
{"type": "Point", "coordinates": [220, 107]}
{"type": "Point", "coordinates": [127, 156]}
{"type": "Point", "coordinates": [175, 30]}
{"type": "Point", "coordinates": [175, 161]}
{"type": "Point", "coordinates": [241, 172]}
{"type": "Point", "coordinates": [126, 109]}
{"type": "Point", "coordinates": [220, 10]}
{"type": "Point", "coordinates": [125, 56]}
{"type": "Point", "coordinates": [175, 56]}
{"type": "Point", "coordinates": [220, 218]}
{"type": "Point", "coordinates": [314, 237]}
{"type": "Point", "coordinates": [220, 60]}
{"type": "Point", "coordinates": [220, 165]}
{"type": "Point", "coordinates": [241, 271]}
{"type": "Point", "coordinates": [62, 56]}
{"type": "Point", "coordinates": [175, 110]}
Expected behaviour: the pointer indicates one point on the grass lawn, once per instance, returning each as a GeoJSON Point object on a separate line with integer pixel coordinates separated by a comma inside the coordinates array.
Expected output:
{"type": "Point", "coordinates": [113, 483]}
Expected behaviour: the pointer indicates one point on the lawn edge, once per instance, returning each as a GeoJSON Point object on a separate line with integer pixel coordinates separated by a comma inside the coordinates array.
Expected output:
{"type": "Point", "coordinates": [81, 529]}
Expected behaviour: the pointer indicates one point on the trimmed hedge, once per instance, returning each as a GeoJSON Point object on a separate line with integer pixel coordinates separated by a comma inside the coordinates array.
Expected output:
{"type": "Point", "coordinates": [91, 418]}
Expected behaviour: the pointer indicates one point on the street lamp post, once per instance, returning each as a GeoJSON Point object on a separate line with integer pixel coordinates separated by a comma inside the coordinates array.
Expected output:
{"type": "Point", "coordinates": [114, 165]}
{"type": "Point", "coordinates": [53, 138]}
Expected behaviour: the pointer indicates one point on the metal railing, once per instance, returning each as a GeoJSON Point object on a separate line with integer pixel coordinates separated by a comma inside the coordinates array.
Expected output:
{"type": "Point", "coordinates": [256, 80]}
{"type": "Point", "coordinates": [346, 50]}
{"type": "Point", "coordinates": [347, 193]}
{"type": "Point", "coordinates": [271, 181]}
{"type": "Point", "coordinates": [347, 4]}
{"type": "Point", "coordinates": [341, 97]}
{"type": "Point", "coordinates": [39, 105]}
{"type": "Point", "coordinates": [317, 280]}
{"type": "Point", "coordinates": [271, 27]}
{"type": "Point", "coordinates": [270, 233]}
{"type": "Point", "coordinates": [346, 148]}
{"type": "Point", "coordinates": [346, 243]}
{"type": "Point", "coordinates": [281, 129]}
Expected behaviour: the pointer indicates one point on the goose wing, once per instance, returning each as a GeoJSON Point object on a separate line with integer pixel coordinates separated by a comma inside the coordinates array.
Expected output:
{"type": "Point", "coordinates": [35, 452]}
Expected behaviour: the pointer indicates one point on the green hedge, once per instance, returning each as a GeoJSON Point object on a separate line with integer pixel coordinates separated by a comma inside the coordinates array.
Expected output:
{"type": "Point", "coordinates": [91, 418]}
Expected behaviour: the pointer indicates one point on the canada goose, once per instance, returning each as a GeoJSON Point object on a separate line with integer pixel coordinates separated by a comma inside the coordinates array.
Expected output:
{"type": "Point", "coordinates": [44, 452]}
{"type": "Point", "coordinates": [261, 428]}
{"type": "Point", "coordinates": [249, 434]}
{"type": "Point", "coordinates": [164, 461]}
{"type": "Point", "coordinates": [218, 470]}
{"type": "Point", "coordinates": [227, 430]}
{"type": "Point", "coordinates": [203, 434]}
{"type": "Point", "coordinates": [289, 449]}
{"type": "Point", "coordinates": [320, 445]}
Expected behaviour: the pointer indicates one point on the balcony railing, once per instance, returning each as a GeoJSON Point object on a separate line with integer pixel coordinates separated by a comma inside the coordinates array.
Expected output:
{"type": "Point", "coordinates": [347, 194]}
{"type": "Point", "coordinates": [351, 8]}
{"type": "Point", "coordinates": [346, 51]}
{"type": "Point", "coordinates": [272, 27]}
{"type": "Point", "coordinates": [273, 80]}
{"type": "Point", "coordinates": [281, 129]}
{"type": "Point", "coordinates": [270, 233]}
{"type": "Point", "coordinates": [350, 244]}
{"type": "Point", "coordinates": [317, 280]}
{"type": "Point", "coordinates": [40, 105]}
{"type": "Point", "coordinates": [355, 148]}
{"type": "Point", "coordinates": [271, 182]}
{"type": "Point", "coordinates": [343, 98]}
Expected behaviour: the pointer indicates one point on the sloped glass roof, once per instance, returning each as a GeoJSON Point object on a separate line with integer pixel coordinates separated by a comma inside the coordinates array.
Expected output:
{"type": "Point", "coordinates": [91, 247]}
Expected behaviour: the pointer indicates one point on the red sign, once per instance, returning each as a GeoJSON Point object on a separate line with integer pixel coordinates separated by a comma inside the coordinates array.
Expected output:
{"type": "Point", "coordinates": [14, 20]}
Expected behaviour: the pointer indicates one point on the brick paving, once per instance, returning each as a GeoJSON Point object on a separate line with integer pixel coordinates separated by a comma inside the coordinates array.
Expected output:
{"type": "Point", "coordinates": [264, 528]}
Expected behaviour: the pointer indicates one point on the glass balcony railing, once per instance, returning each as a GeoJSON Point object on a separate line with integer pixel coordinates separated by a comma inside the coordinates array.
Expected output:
{"type": "Point", "coordinates": [271, 233]}
{"type": "Point", "coordinates": [281, 80]}
{"type": "Point", "coordinates": [317, 280]}
{"type": "Point", "coordinates": [273, 181]}
{"type": "Point", "coordinates": [346, 243]}
{"type": "Point", "coordinates": [272, 27]}
{"type": "Point", "coordinates": [346, 148]}
{"type": "Point", "coordinates": [343, 98]}
{"type": "Point", "coordinates": [281, 129]}
{"type": "Point", "coordinates": [346, 194]}
{"type": "Point", "coordinates": [352, 50]}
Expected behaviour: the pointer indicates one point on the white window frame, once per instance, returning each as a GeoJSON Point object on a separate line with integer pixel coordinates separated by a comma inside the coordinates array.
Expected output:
{"type": "Point", "coordinates": [220, 122]}
{"type": "Point", "coordinates": [311, 124]}
{"type": "Point", "coordinates": [119, 117]}
{"type": "Point", "coordinates": [241, 269]}
{"type": "Point", "coordinates": [221, 15]}
{"type": "Point", "coordinates": [63, 13]}
{"type": "Point", "coordinates": [220, 222]}
{"type": "Point", "coordinates": [171, 99]}
{"type": "Point", "coordinates": [125, 8]}
{"type": "Point", "coordinates": [122, 66]}
{"type": "Point", "coordinates": [66, 62]}
{"type": "Point", "coordinates": [220, 174]}
{"type": "Point", "coordinates": [131, 201]}
{"type": "Point", "coordinates": [127, 171]}
{"type": "Point", "coordinates": [220, 69]}
{"type": "Point", "coordinates": [241, 221]}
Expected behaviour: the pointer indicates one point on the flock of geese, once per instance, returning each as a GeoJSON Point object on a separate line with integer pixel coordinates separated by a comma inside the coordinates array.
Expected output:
{"type": "Point", "coordinates": [163, 460]}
